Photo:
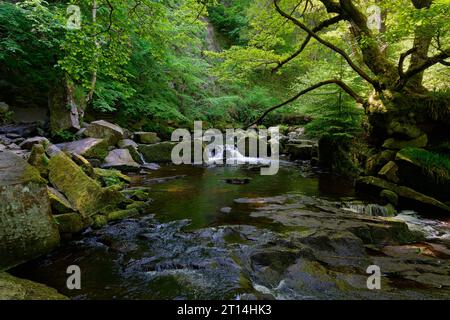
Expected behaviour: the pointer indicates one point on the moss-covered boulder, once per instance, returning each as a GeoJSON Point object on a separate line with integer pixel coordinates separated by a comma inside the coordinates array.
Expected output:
{"type": "Point", "coordinates": [122, 214]}
{"type": "Point", "coordinates": [39, 159]}
{"type": "Point", "coordinates": [390, 197]}
{"type": "Point", "coordinates": [12, 288]}
{"type": "Point", "coordinates": [104, 130]}
{"type": "Point", "coordinates": [138, 194]}
{"type": "Point", "coordinates": [404, 130]}
{"type": "Point", "coordinates": [58, 202]}
{"type": "Point", "coordinates": [27, 229]}
{"type": "Point", "coordinates": [88, 148]}
{"type": "Point", "coordinates": [110, 177]}
{"type": "Point", "coordinates": [84, 164]}
{"type": "Point", "coordinates": [157, 153]}
{"type": "Point", "coordinates": [426, 171]}
{"type": "Point", "coordinates": [389, 172]}
{"type": "Point", "coordinates": [397, 144]}
{"type": "Point", "coordinates": [377, 161]}
{"type": "Point", "coordinates": [85, 194]}
{"type": "Point", "coordinates": [146, 137]}
{"type": "Point", "coordinates": [70, 223]}
{"type": "Point", "coordinates": [407, 196]}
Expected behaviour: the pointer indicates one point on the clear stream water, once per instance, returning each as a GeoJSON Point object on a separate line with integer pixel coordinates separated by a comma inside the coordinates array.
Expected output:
{"type": "Point", "coordinates": [165, 255]}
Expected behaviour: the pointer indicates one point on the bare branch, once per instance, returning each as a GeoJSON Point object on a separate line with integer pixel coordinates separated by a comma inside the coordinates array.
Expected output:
{"type": "Point", "coordinates": [340, 83]}
{"type": "Point", "coordinates": [320, 27]}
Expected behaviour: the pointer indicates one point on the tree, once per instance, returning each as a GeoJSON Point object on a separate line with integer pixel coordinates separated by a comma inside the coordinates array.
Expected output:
{"type": "Point", "coordinates": [397, 94]}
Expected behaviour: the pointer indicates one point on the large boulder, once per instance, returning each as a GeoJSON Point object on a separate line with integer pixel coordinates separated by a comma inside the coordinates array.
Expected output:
{"type": "Point", "coordinates": [27, 229]}
{"type": "Point", "coordinates": [146, 137]}
{"type": "Point", "coordinates": [121, 159]}
{"type": "Point", "coordinates": [70, 223]}
{"type": "Point", "coordinates": [158, 153]}
{"type": "Point", "coordinates": [88, 148]}
{"type": "Point", "coordinates": [104, 130]}
{"type": "Point", "coordinates": [389, 172]}
{"type": "Point", "coordinates": [407, 196]}
{"type": "Point", "coordinates": [12, 288]}
{"type": "Point", "coordinates": [84, 193]}
{"type": "Point", "coordinates": [396, 144]}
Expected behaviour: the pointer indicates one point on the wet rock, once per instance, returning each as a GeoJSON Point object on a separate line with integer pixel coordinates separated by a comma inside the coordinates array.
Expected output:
{"type": "Point", "coordinates": [58, 202]}
{"type": "Point", "coordinates": [30, 142]}
{"type": "Point", "coordinates": [121, 159]}
{"type": "Point", "coordinates": [12, 288]}
{"type": "Point", "coordinates": [157, 153]}
{"type": "Point", "coordinates": [104, 130]}
{"type": "Point", "coordinates": [27, 229]}
{"type": "Point", "coordinates": [2, 147]}
{"type": "Point", "coordinates": [407, 196]}
{"type": "Point", "coordinates": [88, 148]}
{"type": "Point", "coordinates": [84, 193]}
{"type": "Point", "coordinates": [146, 137]}
{"type": "Point", "coordinates": [389, 172]}
{"type": "Point", "coordinates": [226, 210]}
{"type": "Point", "coordinates": [70, 223]}
{"type": "Point", "coordinates": [397, 144]}
{"type": "Point", "coordinates": [390, 197]}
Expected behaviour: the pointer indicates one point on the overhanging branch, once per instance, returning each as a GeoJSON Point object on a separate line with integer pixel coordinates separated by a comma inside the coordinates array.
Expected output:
{"type": "Point", "coordinates": [337, 82]}
{"type": "Point", "coordinates": [320, 27]}
{"type": "Point", "coordinates": [357, 69]}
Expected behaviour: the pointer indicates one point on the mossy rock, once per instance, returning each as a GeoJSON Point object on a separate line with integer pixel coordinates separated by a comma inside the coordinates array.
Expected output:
{"type": "Point", "coordinates": [376, 162]}
{"type": "Point", "coordinates": [139, 194]}
{"type": "Point", "coordinates": [389, 172]}
{"type": "Point", "coordinates": [39, 160]}
{"type": "Point", "coordinates": [107, 131]}
{"type": "Point", "coordinates": [12, 288]}
{"type": "Point", "coordinates": [407, 196]}
{"type": "Point", "coordinates": [110, 177]}
{"type": "Point", "coordinates": [396, 144]}
{"type": "Point", "coordinates": [404, 130]}
{"type": "Point", "coordinates": [99, 222]}
{"type": "Point", "coordinates": [389, 196]}
{"type": "Point", "coordinates": [70, 223]}
{"type": "Point", "coordinates": [157, 153]}
{"type": "Point", "coordinates": [27, 229]}
{"type": "Point", "coordinates": [58, 202]}
{"type": "Point", "coordinates": [90, 148]}
{"type": "Point", "coordinates": [146, 137]}
{"type": "Point", "coordinates": [85, 194]}
{"type": "Point", "coordinates": [122, 214]}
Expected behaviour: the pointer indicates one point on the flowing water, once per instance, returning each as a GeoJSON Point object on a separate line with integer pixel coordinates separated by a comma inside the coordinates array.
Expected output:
{"type": "Point", "coordinates": [202, 240]}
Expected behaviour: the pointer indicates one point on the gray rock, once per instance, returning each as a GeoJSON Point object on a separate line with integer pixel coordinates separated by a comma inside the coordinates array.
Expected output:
{"type": "Point", "coordinates": [27, 229]}
{"type": "Point", "coordinates": [132, 147]}
{"type": "Point", "coordinates": [121, 159]}
{"type": "Point", "coordinates": [88, 148]}
{"type": "Point", "coordinates": [104, 130]}
{"type": "Point", "coordinates": [30, 142]}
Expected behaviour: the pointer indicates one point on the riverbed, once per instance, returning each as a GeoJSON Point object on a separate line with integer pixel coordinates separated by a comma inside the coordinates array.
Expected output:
{"type": "Point", "coordinates": [289, 236]}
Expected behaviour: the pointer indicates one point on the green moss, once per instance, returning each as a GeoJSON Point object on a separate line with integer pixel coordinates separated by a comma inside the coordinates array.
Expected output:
{"type": "Point", "coordinates": [111, 177]}
{"type": "Point", "coordinates": [432, 164]}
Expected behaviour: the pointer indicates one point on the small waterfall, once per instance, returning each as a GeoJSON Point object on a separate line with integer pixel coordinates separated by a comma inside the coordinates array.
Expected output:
{"type": "Point", "coordinates": [374, 210]}
{"type": "Point", "coordinates": [230, 153]}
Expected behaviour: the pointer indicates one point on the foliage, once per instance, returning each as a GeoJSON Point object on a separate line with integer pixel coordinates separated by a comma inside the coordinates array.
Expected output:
{"type": "Point", "coordinates": [434, 164]}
